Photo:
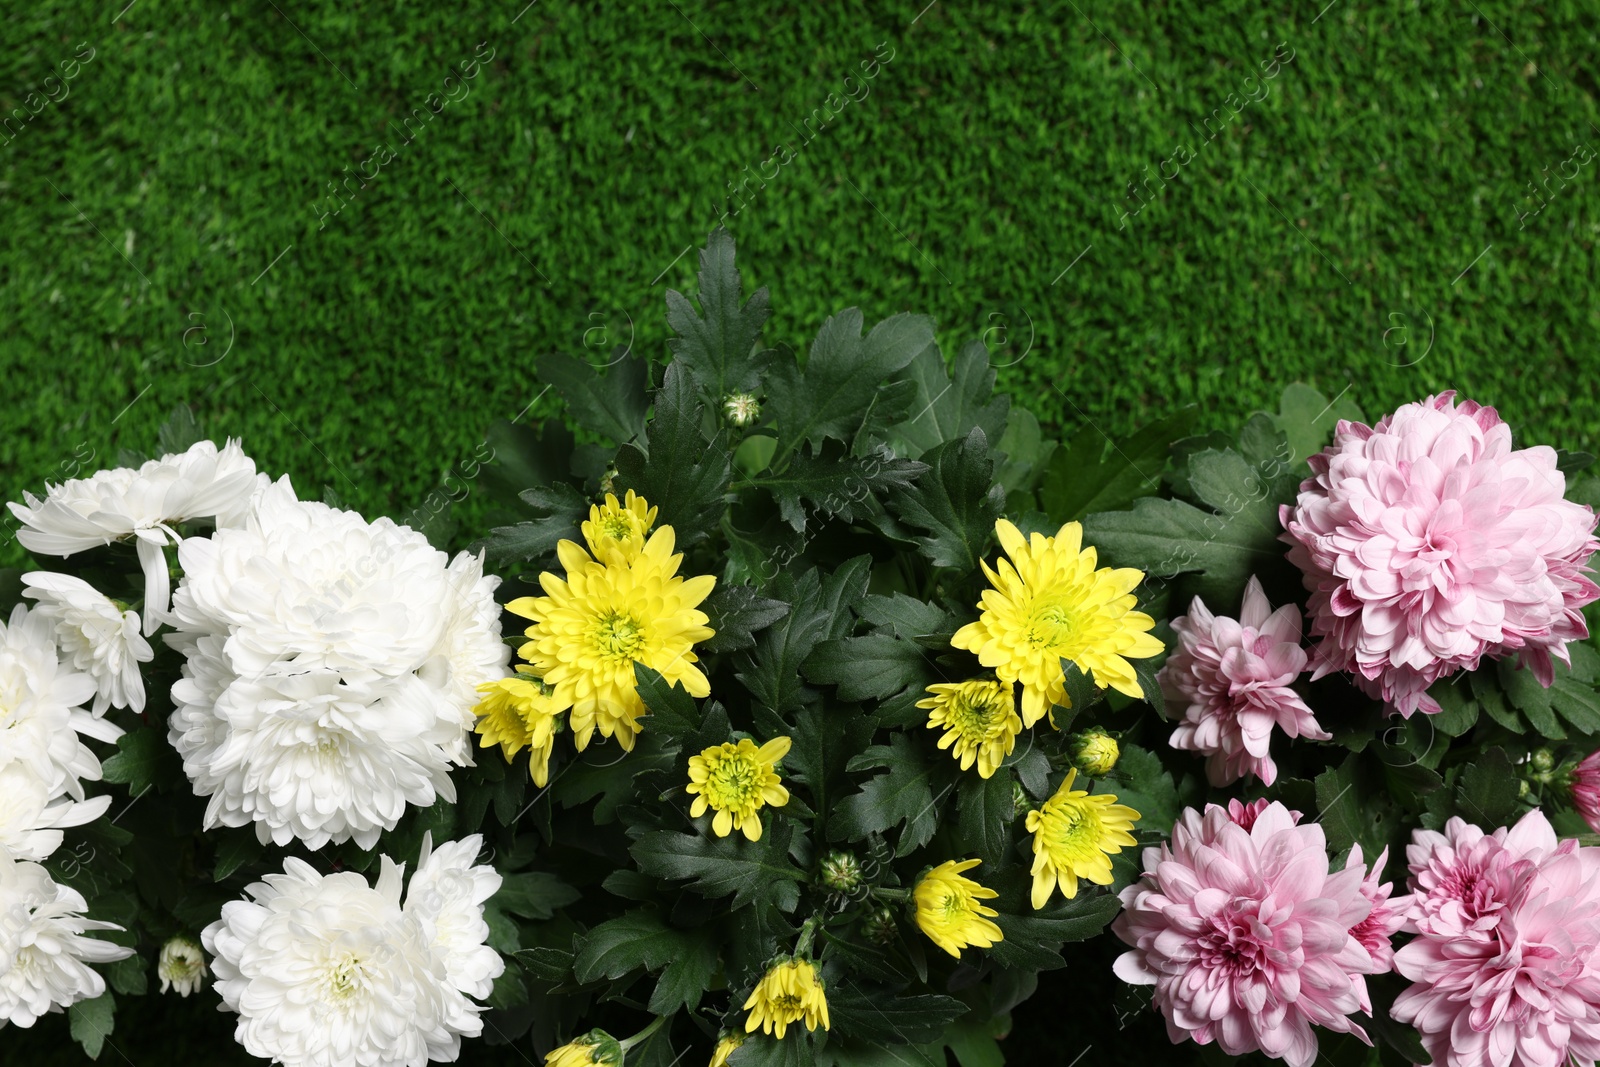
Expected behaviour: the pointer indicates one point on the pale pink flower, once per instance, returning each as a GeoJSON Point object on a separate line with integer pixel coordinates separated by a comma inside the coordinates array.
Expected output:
{"type": "Point", "coordinates": [1246, 814]}
{"type": "Point", "coordinates": [1586, 790]}
{"type": "Point", "coordinates": [1247, 936]}
{"type": "Point", "coordinates": [1232, 677]}
{"type": "Point", "coordinates": [1387, 916]}
{"type": "Point", "coordinates": [1528, 993]}
{"type": "Point", "coordinates": [1428, 543]}
{"type": "Point", "coordinates": [1462, 879]}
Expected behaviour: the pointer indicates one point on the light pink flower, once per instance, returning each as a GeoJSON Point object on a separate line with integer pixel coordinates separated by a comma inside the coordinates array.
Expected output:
{"type": "Point", "coordinates": [1246, 814]}
{"type": "Point", "coordinates": [1246, 935]}
{"type": "Point", "coordinates": [1586, 790]}
{"type": "Point", "coordinates": [1528, 993]}
{"type": "Point", "coordinates": [1429, 543]}
{"type": "Point", "coordinates": [1462, 879]}
{"type": "Point", "coordinates": [1387, 916]}
{"type": "Point", "coordinates": [1232, 678]}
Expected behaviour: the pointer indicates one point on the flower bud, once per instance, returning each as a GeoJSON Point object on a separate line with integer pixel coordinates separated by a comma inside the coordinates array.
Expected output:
{"type": "Point", "coordinates": [880, 926]}
{"type": "Point", "coordinates": [181, 966]}
{"type": "Point", "coordinates": [741, 409]}
{"type": "Point", "coordinates": [1542, 761]}
{"type": "Point", "coordinates": [1021, 803]}
{"type": "Point", "coordinates": [840, 872]}
{"type": "Point", "coordinates": [1094, 753]}
{"type": "Point", "coordinates": [594, 1049]}
{"type": "Point", "coordinates": [608, 480]}
{"type": "Point", "coordinates": [725, 1047]}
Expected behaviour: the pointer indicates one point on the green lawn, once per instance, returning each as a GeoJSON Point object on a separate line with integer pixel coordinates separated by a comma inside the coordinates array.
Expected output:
{"type": "Point", "coordinates": [1363, 219]}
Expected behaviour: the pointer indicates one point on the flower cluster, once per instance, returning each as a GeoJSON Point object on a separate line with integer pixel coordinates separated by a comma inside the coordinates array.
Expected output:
{"type": "Point", "coordinates": [44, 955]}
{"type": "Point", "coordinates": [620, 603]}
{"type": "Point", "coordinates": [1428, 544]}
{"type": "Point", "coordinates": [1504, 966]}
{"type": "Point", "coordinates": [331, 669]}
{"type": "Point", "coordinates": [1247, 936]}
{"type": "Point", "coordinates": [329, 969]}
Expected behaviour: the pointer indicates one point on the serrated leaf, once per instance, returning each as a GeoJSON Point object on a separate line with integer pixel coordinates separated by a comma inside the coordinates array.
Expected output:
{"type": "Point", "coordinates": [835, 484]}
{"type": "Point", "coordinates": [1523, 690]}
{"type": "Point", "coordinates": [947, 406]}
{"type": "Point", "coordinates": [865, 1013]}
{"type": "Point", "coordinates": [671, 709]}
{"type": "Point", "coordinates": [904, 794]}
{"type": "Point", "coordinates": [534, 895]}
{"type": "Point", "coordinates": [613, 403]}
{"type": "Point", "coordinates": [844, 378]}
{"type": "Point", "coordinates": [642, 939]}
{"type": "Point", "coordinates": [144, 759]}
{"type": "Point", "coordinates": [906, 616]}
{"type": "Point", "coordinates": [91, 1022]}
{"type": "Point", "coordinates": [956, 503]}
{"type": "Point", "coordinates": [1088, 476]}
{"type": "Point", "coordinates": [1487, 790]}
{"type": "Point", "coordinates": [1143, 784]}
{"type": "Point", "coordinates": [1459, 712]}
{"type": "Point", "coordinates": [237, 848]}
{"type": "Point", "coordinates": [687, 976]}
{"type": "Point", "coordinates": [180, 432]}
{"type": "Point", "coordinates": [874, 666]}
{"type": "Point", "coordinates": [717, 348]}
{"type": "Point", "coordinates": [771, 670]}
{"type": "Point", "coordinates": [1081, 695]}
{"type": "Point", "coordinates": [824, 737]}
{"type": "Point", "coordinates": [550, 965]}
{"type": "Point", "coordinates": [558, 509]}
{"type": "Point", "coordinates": [1165, 537]}
{"type": "Point", "coordinates": [1033, 942]}
{"type": "Point", "coordinates": [719, 866]}
{"type": "Point", "coordinates": [678, 470]}
{"type": "Point", "coordinates": [129, 976]}
{"type": "Point", "coordinates": [737, 613]}
{"type": "Point", "coordinates": [1307, 418]}
{"type": "Point", "coordinates": [762, 1050]}
{"type": "Point", "coordinates": [985, 817]}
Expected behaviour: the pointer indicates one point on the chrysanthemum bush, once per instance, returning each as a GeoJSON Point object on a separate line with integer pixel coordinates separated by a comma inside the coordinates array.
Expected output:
{"type": "Point", "coordinates": [806, 711]}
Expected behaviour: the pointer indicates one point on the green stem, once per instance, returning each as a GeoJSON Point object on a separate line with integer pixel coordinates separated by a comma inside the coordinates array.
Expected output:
{"type": "Point", "coordinates": [808, 931]}
{"type": "Point", "coordinates": [643, 1034]}
{"type": "Point", "coordinates": [891, 894]}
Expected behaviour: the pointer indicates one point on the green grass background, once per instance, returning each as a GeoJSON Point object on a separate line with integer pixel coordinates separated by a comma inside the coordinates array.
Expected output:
{"type": "Point", "coordinates": [1325, 234]}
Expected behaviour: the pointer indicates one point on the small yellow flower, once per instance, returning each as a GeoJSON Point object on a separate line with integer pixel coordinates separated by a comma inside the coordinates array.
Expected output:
{"type": "Point", "coordinates": [979, 719]}
{"type": "Point", "coordinates": [948, 909]}
{"type": "Point", "coordinates": [616, 532]}
{"type": "Point", "coordinates": [592, 626]}
{"type": "Point", "coordinates": [518, 712]}
{"type": "Point", "coordinates": [791, 991]}
{"type": "Point", "coordinates": [735, 781]}
{"type": "Point", "coordinates": [1074, 836]}
{"type": "Point", "coordinates": [724, 1049]}
{"type": "Point", "coordinates": [1095, 753]}
{"type": "Point", "coordinates": [1049, 603]}
{"type": "Point", "coordinates": [594, 1049]}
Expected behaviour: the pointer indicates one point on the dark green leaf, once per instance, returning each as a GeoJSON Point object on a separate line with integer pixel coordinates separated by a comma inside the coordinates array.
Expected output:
{"type": "Point", "coordinates": [1144, 785]}
{"type": "Point", "coordinates": [907, 617]}
{"type": "Point", "coordinates": [771, 671]}
{"type": "Point", "coordinates": [237, 848]}
{"type": "Point", "coordinates": [179, 432]}
{"type": "Point", "coordinates": [737, 613]}
{"type": "Point", "coordinates": [956, 504]}
{"type": "Point", "coordinates": [844, 378]}
{"type": "Point", "coordinates": [91, 1022]}
{"type": "Point", "coordinates": [1486, 793]}
{"type": "Point", "coordinates": [637, 939]}
{"type": "Point", "coordinates": [534, 894]}
{"type": "Point", "coordinates": [1307, 418]}
{"type": "Point", "coordinates": [549, 965]}
{"type": "Point", "coordinates": [1033, 942]}
{"type": "Point", "coordinates": [718, 350]}
{"type": "Point", "coordinates": [763, 1050]}
{"type": "Point", "coordinates": [559, 510]}
{"type": "Point", "coordinates": [1082, 694]}
{"type": "Point", "coordinates": [510, 989]}
{"type": "Point", "coordinates": [144, 759]}
{"type": "Point", "coordinates": [985, 817]}
{"type": "Point", "coordinates": [835, 484]}
{"type": "Point", "coordinates": [947, 406]}
{"type": "Point", "coordinates": [903, 794]}
{"type": "Point", "coordinates": [671, 709]}
{"type": "Point", "coordinates": [129, 976]}
{"type": "Point", "coordinates": [873, 666]}
{"type": "Point", "coordinates": [1088, 477]}
{"type": "Point", "coordinates": [719, 866]}
{"type": "Point", "coordinates": [613, 404]}
{"type": "Point", "coordinates": [865, 1013]}
{"type": "Point", "coordinates": [1460, 711]}
{"type": "Point", "coordinates": [688, 975]}
{"type": "Point", "coordinates": [516, 458]}
{"type": "Point", "coordinates": [1164, 538]}
{"type": "Point", "coordinates": [683, 473]}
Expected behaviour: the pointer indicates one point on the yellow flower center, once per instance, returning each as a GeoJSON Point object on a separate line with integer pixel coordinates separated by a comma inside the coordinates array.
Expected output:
{"type": "Point", "coordinates": [618, 636]}
{"type": "Point", "coordinates": [733, 781]}
{"type": "Point", "coordinates": [1074, 831]}
{"type": "Point", "coordinates": [976, 720]}
{"type": "Point", "coordinates": [618, 527]}
{"type": "Point", "coordinates": [1051, 626]}
{"type": "Point", "coordinates": [341, 981]}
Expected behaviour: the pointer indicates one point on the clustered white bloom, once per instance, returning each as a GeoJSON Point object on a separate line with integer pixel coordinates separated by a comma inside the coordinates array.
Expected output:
{"type": "Point", "coordinates": [181, 966]}
{"type": "Point", "coordinates": [328, 969]}
{"type": "Point", "coordinates": [102, 640]}
{"type": "Point", "coordinates": [204, 482]}
{"type": "Point", "coordinates": [331, 669]}
{"type": "Point", "coordinates": [43, 764]}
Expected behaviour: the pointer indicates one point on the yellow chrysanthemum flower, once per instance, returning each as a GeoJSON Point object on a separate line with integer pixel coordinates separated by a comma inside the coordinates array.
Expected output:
{"type": "Point", "coordinates": [616, 532]}
{"type": "Point", "coordinates": [1075, 834]}
{"type": "Point", "coordinates": [735, 781]}
{"type": "Point", "coordinates": [979, 719]}
{"type": "Point", "coordinates": [790, 991]}
{"type": "Point", "coordinates": [724, 1049]}
{"type": "Point", "coordinates": [592, 626]}
{"type": "Point", "coordinates": [518, 712]}
{"type": "Point", "coordinates": [948, 911]}
{"type": "Point", "coordinates": [1049, 603]}
{"type": "Point", "coordinates": [594, 1049]}
{"type": "Point", "coordinates": [1095, 753]}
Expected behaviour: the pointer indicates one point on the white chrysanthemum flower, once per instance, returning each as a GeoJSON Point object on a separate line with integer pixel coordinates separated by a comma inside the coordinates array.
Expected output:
{"type": "Point", "coordinates": [100, 640]}
{"type": "Point", "coordinates": [326, 969]}
{"type": "Point", "coordinates": [448, 892]}
{"type": "Point", "coordinates": [44, 957]}
{"type": "Point", "coordinates": [182, 966]}
{"type": "Point", "coordinates": [40, 720]}
{"type": "Point", "coordinates": [331, 670]}
{"type": "Point", "coordinates": [145, 503]}
{"type": "Point", "coordinates": [32, 818]}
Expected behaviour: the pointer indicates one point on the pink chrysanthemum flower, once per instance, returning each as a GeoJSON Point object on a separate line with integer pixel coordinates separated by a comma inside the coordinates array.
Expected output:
{"type": "Point", "coordinates": [1527, 994]}
{"type": "Point", "coordinates": [1387, 916]}
{"type": "Point", "coordinates": [1233, 678]}
{"type": "Point", "coordinates": [1429, 543]}
{"type": "Point", "coordinates": [1246, 814]}
{"type": "Point", "coordinates": [1462, 879]}
{"type": "Point", "coordinates": [1586, 790]}
{"type": "Point", "coordinates": [1247, 936]}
